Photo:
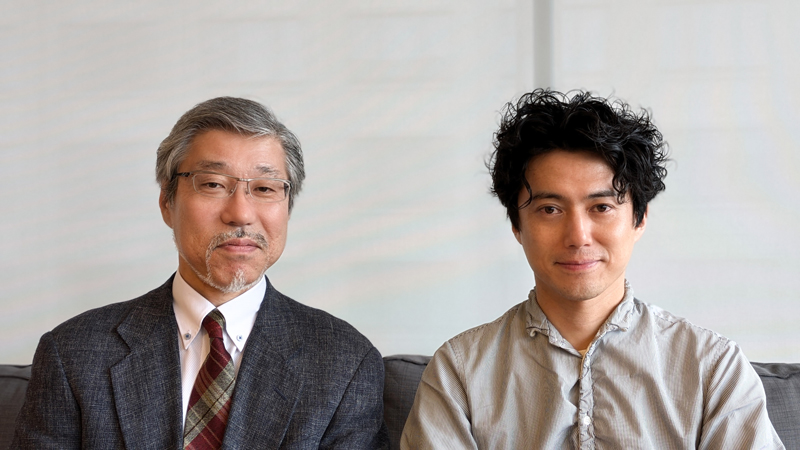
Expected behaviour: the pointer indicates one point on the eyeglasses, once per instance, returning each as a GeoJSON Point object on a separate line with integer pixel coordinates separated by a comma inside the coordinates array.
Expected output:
{"type": "Point", "coordinates": [219, 185]}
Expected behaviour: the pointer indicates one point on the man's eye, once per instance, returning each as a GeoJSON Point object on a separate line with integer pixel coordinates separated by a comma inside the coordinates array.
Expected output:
{"type": "Point", "coordinates": [213, 185]}
{"type": "Point", "coordinates": [549, 210]}
{"type": "Point", "coordinates": [264, 189]}
{"type": "Point", "coordinates": [603, 208]}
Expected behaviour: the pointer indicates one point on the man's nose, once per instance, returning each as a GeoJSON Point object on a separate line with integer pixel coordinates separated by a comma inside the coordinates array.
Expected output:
{"type": "Point", "coordinates": [239, 208]}
{"type": "Point", "coordinates": [578, 231]}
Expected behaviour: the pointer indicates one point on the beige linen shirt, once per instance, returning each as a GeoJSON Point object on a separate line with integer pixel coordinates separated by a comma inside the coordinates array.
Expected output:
{"type": "Point", "coordinates": [648, 380]}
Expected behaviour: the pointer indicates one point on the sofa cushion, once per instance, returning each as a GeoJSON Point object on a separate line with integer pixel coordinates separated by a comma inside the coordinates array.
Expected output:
{"type": "Point", "coordinates": [782, 385]}
{"type": "Point", "coordinates": [13, 383]}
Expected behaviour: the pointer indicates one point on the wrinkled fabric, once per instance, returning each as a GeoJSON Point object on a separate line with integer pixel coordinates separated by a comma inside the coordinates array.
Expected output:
{"type": "Point", "coordinates": [648, 380]}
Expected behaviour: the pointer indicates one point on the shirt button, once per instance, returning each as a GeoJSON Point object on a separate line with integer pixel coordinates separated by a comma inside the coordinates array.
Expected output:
{"type": "Point", "coordinates": [586, 420]}
{"type": "Point", "coordinates": [239, 337]}
{"type": "Point", "coordinates": [187, 336]}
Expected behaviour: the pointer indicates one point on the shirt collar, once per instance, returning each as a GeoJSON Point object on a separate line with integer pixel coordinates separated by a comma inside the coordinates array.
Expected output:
{"type": "Point", "coordinates": [620, 318]}
{"type": "Point", "coordinates": [240, 312]}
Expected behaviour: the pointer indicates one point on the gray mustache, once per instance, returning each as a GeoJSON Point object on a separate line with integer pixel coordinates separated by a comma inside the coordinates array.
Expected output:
{"type": "Point", "coordinates": [239, 233]}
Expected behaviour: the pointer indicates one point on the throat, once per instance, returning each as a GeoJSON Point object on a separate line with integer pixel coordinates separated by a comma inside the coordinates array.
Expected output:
{"type": "Point", "coordinates": [577, 321]}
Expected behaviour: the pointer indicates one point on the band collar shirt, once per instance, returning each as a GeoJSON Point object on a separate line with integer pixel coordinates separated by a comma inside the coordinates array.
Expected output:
{"type": "Point", "coordinates": [191, 308]}
{"type": "Point", "coordinates": [647, 380]}
{"type": "Point", "coordinates": [619, 320]}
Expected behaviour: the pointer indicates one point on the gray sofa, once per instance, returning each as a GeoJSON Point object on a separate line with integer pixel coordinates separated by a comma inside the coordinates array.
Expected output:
{"type": "Point", "coordinates": [403, 372]}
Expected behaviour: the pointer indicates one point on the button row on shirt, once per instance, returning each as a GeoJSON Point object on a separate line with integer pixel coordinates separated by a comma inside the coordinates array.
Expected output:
{"type": "Point", "coordinates": [586, 420]}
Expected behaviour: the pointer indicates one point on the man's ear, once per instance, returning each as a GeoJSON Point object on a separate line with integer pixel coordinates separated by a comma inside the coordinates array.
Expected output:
{"type": "Point", "coordinates": [516, 233]}
{"type": "Point", "coordinates": [166, 208]}
{"type": "Point", "coordinates": [643, 224]}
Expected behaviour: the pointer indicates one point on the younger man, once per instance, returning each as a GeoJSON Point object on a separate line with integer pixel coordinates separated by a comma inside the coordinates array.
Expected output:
{"type": "Point", "coordinates": [582, 363]}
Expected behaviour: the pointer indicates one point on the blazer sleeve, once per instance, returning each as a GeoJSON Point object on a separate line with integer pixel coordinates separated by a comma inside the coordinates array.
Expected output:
{"type": "Point", "coordinates": [358, 420]}
{"type": "Point", "coordinates": [50, 416]}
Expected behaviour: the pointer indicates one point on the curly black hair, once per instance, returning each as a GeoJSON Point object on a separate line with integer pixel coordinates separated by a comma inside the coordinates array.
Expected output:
{"type": "Point", "coordinates": [545, 120]}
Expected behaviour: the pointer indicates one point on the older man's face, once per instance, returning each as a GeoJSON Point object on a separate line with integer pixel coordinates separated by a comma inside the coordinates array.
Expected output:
{"type": "Point", "coordinates": [225, 245]}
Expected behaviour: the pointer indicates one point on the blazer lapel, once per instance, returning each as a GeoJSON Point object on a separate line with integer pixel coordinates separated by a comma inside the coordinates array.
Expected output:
{"type": "Point", "coordinates": [267, 387]}
{"type": "Point", "coordinates": [147, 383]}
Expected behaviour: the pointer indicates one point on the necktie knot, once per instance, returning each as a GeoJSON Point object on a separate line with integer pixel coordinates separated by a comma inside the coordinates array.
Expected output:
{"type": "Point", "coordinates": [214, 323]}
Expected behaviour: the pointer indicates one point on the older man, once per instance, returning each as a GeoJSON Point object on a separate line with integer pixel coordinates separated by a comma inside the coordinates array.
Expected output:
{"type": "Point", "coordinates": [215, 357]}
{"type": "Point", "coordinates": [582, 363]}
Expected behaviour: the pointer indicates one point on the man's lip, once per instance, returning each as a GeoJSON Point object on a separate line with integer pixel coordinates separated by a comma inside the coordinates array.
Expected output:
{"type": "Point", "coordinates": [578, 264]}
{"type": "Point", "coordinates": [240, 242]}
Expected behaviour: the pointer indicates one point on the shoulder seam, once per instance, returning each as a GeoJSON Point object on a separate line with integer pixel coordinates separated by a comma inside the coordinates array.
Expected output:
{"type": "Point", "coordinates": [482, 326]}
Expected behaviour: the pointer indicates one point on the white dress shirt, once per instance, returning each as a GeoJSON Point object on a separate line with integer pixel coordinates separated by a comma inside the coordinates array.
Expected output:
{"type": "Point", "coordinates": [191, 308]}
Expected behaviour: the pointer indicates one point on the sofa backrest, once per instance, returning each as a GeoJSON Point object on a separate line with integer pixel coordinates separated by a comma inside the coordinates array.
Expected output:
{"type": "Point", "coordinates": [403, 372]}
{"type": "Point", "coordinates": [13, 383]}
{"type": "Point", "coordinates": [782, 385]}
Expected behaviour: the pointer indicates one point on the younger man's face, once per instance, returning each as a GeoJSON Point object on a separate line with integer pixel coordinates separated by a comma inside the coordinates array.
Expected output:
{"type": "Point", "coordinates": [577, 237]}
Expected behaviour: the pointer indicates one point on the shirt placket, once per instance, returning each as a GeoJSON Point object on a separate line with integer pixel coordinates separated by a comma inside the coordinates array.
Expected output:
{"type": "Point", "coordinates": [586, 388]}
{"type": "Point", "coordinates": [586, 404]}
{"type": "Point", "coordinates": [586, 433]}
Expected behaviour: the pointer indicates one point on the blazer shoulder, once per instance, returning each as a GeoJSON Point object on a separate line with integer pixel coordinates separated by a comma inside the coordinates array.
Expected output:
{"type": "Point", "coordinates": [102, 320]}
{"type": "Point", "coordinates": [321, 328]}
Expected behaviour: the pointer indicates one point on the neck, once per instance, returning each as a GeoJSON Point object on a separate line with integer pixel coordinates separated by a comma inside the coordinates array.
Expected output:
{"type": "Point", "coordinates": [578, 320]}
{"type": "Point", "coordinates": [213, 294]}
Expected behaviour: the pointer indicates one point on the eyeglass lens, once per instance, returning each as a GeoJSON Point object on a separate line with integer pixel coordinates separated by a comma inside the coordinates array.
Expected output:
{"type": "Point", "coordinates": [219, 186]}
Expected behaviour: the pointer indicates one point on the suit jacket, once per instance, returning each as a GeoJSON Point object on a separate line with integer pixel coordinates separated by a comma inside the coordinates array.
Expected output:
{"type": "Point", "coordinates": [110, 378]}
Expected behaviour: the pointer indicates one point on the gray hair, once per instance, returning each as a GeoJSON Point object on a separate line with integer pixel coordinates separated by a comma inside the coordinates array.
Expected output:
{"type": "Point", "coordinates": [236, 115]}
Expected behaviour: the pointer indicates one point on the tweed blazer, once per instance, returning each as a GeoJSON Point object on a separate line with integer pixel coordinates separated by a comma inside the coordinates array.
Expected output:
{"type": "Point", "coordinates": [110, 378]}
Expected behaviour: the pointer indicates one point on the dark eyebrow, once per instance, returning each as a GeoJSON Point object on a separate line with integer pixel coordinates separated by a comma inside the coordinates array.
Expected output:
{"type": "Point", "coordinates": [603, 194]}
{"type": "Point", "coordinates": [552, 195]}
{"type": "Point", "coordinates": [542, 195]}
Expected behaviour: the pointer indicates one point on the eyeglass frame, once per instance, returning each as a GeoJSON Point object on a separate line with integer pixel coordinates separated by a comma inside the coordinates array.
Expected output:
{"type": "Point", "coordinates": [287, 186]}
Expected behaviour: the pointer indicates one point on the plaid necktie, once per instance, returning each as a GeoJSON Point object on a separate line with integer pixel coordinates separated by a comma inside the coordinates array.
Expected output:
{"type": "Point", "coordinates": [210, 401]}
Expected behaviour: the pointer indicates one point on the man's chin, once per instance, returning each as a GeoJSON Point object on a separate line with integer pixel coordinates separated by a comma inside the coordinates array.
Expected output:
{"type": "Point", "coordinates": [576, 292]}
{"type": "Point", "coordinates": [236, 283]}
{"type": "Point", "coordinates": [585, 292]}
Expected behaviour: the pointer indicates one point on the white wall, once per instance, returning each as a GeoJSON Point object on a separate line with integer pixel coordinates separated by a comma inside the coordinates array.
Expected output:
{"type": "Point", "coordinates": [721, 79]}
{"type": "Point", "coordinates": [395, 103]}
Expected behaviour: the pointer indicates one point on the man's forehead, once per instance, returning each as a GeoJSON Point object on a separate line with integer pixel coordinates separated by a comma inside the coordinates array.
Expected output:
{"type": "Point", "coordinates": [575, 154]}
{"type": "Point", "coordinates": [236, 154]}
{"type": "Point", "coordinates": [565, 174]}
{"type": "Point", "coordinates": [569, 164]}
